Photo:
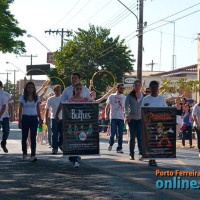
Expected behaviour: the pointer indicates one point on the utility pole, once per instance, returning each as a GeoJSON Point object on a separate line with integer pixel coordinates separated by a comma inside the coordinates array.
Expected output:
{"type": "Point", "coordinates": [151, 64]}
{"type": "Point", "coordinates": [7, 78]}
{"type": "Point", "coordinates": [14, 87]}
{"type": "Point", "coordinates": [59, 32]}
{"type": "Point", "coordinates": [140, 41]}
{"type": "Point", "coordinates": [198, 67]}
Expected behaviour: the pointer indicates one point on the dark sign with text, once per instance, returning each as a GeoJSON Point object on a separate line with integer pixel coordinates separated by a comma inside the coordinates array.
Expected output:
{"type": "Point", "coordinates": [158, 132]}
{"type": "Point", "coordinates": [80, 128]}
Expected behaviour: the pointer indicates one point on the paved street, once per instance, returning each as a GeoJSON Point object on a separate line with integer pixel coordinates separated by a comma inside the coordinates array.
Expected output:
{"type": "Point", "coordinates": [105, 176]}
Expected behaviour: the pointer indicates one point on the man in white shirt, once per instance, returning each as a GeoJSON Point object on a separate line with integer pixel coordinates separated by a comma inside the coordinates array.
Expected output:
{"type": "Point", "coordinates": [53, 103]}
{"type": "Point", "coordinates": [115, 104]}
{"type": "Point", "coordinates": [5, 118]}
{"type": "Point", "coordinates": [154, 100]}
{"type": "Point", "coordinates": [68, 92]}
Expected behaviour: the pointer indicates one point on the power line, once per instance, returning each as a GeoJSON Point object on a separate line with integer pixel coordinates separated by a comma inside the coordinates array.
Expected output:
{"type": "Point", "coordinates": [122, 18]}
{"type": "Point", "coordinates": [172, 20]}
{"type": "Point", "coordinates": [155, 27]}
{"type": "Point", "coordinates": [106, 23]}
{"type": "Point", "coordinates": [78, 12]}
{"type": "Point", "coordinates": [172, 15]}
{"type": "Point", "coordinates": [99, 10]}
{"type": "Point", "coordinates": [68, 12]}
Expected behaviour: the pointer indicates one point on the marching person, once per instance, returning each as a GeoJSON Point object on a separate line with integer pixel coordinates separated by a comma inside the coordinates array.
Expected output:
{"type": "Point", "coordinates": [29, 112]}
{"type": "Point", "coordinates": [68, 92]}
{"type": "Point", "coordinates": [196, 117]}
{"type": "Point", "coordinates": [5, 119]}
{"type": "Point", "coordinates": [133, 104]}
{"type": "Point", "coordinates": [76, 98]}
{"type": "Point", "coordinates": [52, 104]}
{"type": "Point", "coordinates": [115, 104]}
{"type": "Point", "coordinates": [154, 100]}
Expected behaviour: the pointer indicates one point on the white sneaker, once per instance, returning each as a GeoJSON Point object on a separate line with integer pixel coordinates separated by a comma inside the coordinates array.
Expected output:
{"type": "Point", "coordinates": [76, 165]}
{"type": "Point", "coordinates": [183, 147]}
{"type": "Point", "coordinates": [120, 151]}
{"type": "Point", "coordinates": [24, 157]}
{"type": "Point", "coordinates": [199, 155]}
{"type": "Point", "coordinates": [109, 147]}
{"type": "Point", "coordinates": [140, 157]}
{"type": "Point", "coordinates": [33, 158]}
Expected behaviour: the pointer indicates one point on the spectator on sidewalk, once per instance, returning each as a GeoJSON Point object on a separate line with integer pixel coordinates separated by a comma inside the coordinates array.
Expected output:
{"type": "Point", "coordinates": [196, 117]}
{"type": "Point", "coordinates": [186, 116]}
{"type": "Point", "coordinates": [115, 104]}
{"type": "Point", "coordinates": [5, 119]}
{"type": "Point", "coordinates": [29, 113]}
{"type": "Point", "coordinates": [52, 104]}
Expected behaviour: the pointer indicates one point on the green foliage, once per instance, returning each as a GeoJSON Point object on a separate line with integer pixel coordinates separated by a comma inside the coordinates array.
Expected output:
{"type": "Point", "coordinates": [88, 51]}
{"type": "Point", "coordinates": [180, 86]}
{"type": "Point", "coordinates": [9, 31]}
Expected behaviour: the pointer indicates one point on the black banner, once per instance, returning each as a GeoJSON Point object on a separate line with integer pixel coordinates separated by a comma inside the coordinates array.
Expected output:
{"type": "Point", "coordinates": [158, 132]}
{"type": "Point", "coordinates": [80, 128]}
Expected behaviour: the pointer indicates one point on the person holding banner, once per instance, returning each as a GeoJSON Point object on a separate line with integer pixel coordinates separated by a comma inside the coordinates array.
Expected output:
{"type": "Point", "coordinates": [29, 112]}
{"type": "Point", "coordinates": [76, 98]}
{"type": "Point", "coordinates": [115, 104]}
{"type": "Point", "coordinates": [133, 104]}
{"type": "Point", "coordinates": [53, 103]}
{"type": "Point", "coordinates": [68, 92]}
{"type": "Point", "coordinates": [154, 100]}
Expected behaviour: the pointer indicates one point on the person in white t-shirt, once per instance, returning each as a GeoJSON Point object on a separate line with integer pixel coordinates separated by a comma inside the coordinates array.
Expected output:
{"type": "Point", "coordinates": [5, 119]}
{"type": "Point", "coordinates": [53, 103]}
{"type": "Point", "coordinates": [196, 117]}
{"type": "Point", "coordinates": [68, 92]}
{"type": "Point", "coordinates": [115, 104]}
{"type": "Point", "coordinates": [154, 100]}
{"type": "Point", "coordinates": [3, 102]}
{"type": "Point", "coordinates": [29, 112]}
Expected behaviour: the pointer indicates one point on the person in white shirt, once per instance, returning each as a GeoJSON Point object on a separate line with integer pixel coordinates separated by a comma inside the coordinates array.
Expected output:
{"type": "Point", "coordinates": [29, 112]}
{"type": "Point", "coordinates": [115, 104]}
{"type": "Point", "coordinates": [196, 117]}
{"type": "Point", "coordinates": [68, 92]}
{"type": "Point", "coordinates": [5, 119]}
{"type": "Point", "coordinates": [154, 100]}
{"type": "Point", "coordinates": [53, 103]}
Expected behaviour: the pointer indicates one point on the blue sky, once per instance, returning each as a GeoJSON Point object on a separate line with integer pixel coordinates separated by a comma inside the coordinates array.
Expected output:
{"type": "Point", "coordinates": [36, 16]}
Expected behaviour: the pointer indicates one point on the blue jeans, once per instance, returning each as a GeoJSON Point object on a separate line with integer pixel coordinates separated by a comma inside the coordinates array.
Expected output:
{"type": "Point", "coordinates": [103, 124]}
{"type": "Point", "coordinates": [57, 136]}
{"type": "Point", "coordinates": [198, 137]}
{"type": "Point", "coordinates": [116, 126]}
{"type": "Point", "coordinates": [49, 132]}
{"type": "Point", "coordinates": [29, 122]}
{"type": "Point", "coordinates": [135, 127]}
{"type": "Point", "coordinates": [5, 130]}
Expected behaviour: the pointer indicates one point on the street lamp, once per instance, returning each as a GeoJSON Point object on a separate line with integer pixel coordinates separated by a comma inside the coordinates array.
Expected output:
{"type": "Point", "coordinates": [140, 36]}
{"type": "Point", "coordinates": [173, 49]}
{"type": "Point", "coordinates": [16, 67]}
{"type": "Point", "coordinates": [29, 36]}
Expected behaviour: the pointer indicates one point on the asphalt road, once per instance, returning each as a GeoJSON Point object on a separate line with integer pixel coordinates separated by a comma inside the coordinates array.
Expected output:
{"type": "Point", "coordinates": [105, 176]}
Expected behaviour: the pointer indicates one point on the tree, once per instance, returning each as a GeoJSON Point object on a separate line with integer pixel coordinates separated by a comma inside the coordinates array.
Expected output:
{"type": "Point", "coordinates": [88, 51]}
{"type": "Point", "coordinates": [9, 31]}
{"type": "Point", "coordinates": [181, 86]}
